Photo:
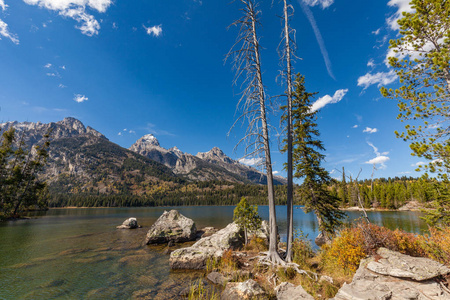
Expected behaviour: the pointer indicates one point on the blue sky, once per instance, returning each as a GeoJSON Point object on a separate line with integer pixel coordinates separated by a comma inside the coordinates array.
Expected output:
{"type": "Point", "coordinates": [128, 68]}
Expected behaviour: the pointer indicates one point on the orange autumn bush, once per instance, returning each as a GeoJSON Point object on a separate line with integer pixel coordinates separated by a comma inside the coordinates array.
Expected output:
{"type": "Point", "coordinates": [344, 253]}
{"type": "Point", "coordinates": [354, 243]}
{"type": "Point", "coordinates": [437, 244]}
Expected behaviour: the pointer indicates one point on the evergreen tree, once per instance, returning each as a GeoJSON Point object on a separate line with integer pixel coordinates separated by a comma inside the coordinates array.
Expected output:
{"type": "Point", "coordinates": [19, 186]}
{"type": "Point", "coordinates": [246, 216]}
{"type": "Point", "coordinates": [307, 162]}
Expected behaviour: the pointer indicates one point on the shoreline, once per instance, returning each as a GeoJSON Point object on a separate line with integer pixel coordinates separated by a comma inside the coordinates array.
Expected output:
{"type": "Point", "coordinates": [353, 208]}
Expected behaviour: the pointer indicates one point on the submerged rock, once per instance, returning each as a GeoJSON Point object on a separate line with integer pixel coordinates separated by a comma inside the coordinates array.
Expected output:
{"type": "Point", "coordinates": [171, 226]}
{"type": "Point", "coordinates": [288, 291]}
{"type": "Point", "coordinates": [196, 256]}
{"type": "Point", "coordinates": [130, 223]}
{"type": "Point", "coordinates": [395, 276]}
{"type": "Point", "coordinates": [249, 289]}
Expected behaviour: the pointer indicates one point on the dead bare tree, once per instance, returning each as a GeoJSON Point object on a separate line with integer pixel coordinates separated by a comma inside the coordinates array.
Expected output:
{"type": "Point", "coordinates": [287, 54]}
{"type": "Point", "coordinates": [245, 55]}
{"type": "Point", "coordinates": [358, 193]}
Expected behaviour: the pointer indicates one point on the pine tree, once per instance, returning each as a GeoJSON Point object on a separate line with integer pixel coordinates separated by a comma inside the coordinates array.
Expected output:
{"type": "Point", "coordinates": [307, 162]}
{"type": "Point", "coordinates": [246, 216]}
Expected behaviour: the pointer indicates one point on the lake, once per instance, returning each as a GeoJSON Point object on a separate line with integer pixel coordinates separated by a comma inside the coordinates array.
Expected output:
{"type": "Point", "coordinates": [79, 254]}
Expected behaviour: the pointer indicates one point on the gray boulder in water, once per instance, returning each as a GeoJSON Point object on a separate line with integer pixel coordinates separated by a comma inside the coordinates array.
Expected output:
{"type": "Point", "coordinates": [130, 223]}
{"type": "Point", "coordinates": [392, 275]}
{"type": "Point", "coordinates": [171, 226]}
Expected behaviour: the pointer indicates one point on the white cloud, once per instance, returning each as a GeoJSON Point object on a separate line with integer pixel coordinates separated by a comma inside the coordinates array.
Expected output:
{"type": "Point", "coordinates": [250, 161]}
{"type": "Point", "coordinates": [370, 130]}
{"type": "Point", "coordinates": [380, 158]}
{"type": "Point", "coordinates": [403, 6]}
{"type": "Point", "coordinates": [4, 31]}
{"type": "Point", "coordinates": [120, 133]}
{"type": "Point", "coordinates": [76, 9]}
{"type": "Point", "coordinates": [3, 5]}
{"type": "Point", "coordinates": [355, 126]}
{"type": "Point", "coordinates": [322, 101]}
{"type": "Point", "coordinates": [114, 25]}
{"type": "Point", "coordinates": [376, 32]}
{"type": "Point", "coordinates": [80, 98]}
{"type": "Point", "coordinates": [154, 30]}
{"type": "Point", "coordinates": [324, 3]}
{"type": "Point", "coordinates": [275, 172]}
{"type": "Point", "coordinates": [371, 63]}
{"type": "Point", "coordinates": [380, 78]}
{"type": "Point", "coordinates": [48, 66]}
{"type": "Point", "coordinates": [61, 86]}
{"type": "Point", "coordinates": [63, 67]}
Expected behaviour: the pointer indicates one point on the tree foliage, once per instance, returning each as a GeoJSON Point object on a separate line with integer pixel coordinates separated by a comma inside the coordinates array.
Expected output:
{"type": "Point", "coordinates": [421, 60]}
{"type": "Point", "coordinates": [246, 216]}
{"type": "Point", "coordinates": [307, 161]}
{"type": "Point", "coordinates": [20, 188]}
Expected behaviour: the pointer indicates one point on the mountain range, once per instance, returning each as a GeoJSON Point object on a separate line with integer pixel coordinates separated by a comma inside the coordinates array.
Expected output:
{"type": "Point", "coordinates": [81, 159]}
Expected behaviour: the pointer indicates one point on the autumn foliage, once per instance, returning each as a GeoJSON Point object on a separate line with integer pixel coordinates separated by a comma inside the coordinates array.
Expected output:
{"type": "Point", "coordinates": [358, 241]}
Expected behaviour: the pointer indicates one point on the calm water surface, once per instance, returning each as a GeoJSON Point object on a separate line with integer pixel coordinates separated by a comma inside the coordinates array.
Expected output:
{"type": "Point", "coordinates": [78, 253]}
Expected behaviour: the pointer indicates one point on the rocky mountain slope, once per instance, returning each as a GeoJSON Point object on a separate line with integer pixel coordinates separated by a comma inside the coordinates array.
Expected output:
{"type": "Point", "coordinates": [210, 165]}
{"type": "Point", "coordinates": [82, 160]}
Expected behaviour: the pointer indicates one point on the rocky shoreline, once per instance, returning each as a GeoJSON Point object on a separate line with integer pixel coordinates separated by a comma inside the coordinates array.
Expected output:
{"type": "Point", "coordinates": [386, 275]}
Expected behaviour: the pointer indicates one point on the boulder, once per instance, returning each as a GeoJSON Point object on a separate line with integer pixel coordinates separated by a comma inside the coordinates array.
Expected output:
{"type": "Point", "coordinates": [249, 289]}
{"type": "Point", "coordinates": [130, 223]}
{"type": "Point", "coordinates": [288, 291]}
{"type": "Point", "coordinates": [399, 265]}
{"type": "Point", "coordinates": [217, 278]}
{"type": "Point", "coordinates": [196, 256]}
{"type": "Point", "coordinates": [171, 226]}
{"type": "Point", "coordinates": [205, 232]}
{"type": "Point", "coordinates": [322, 239]}
{"type": "Point", "coordinates": [396, 280]}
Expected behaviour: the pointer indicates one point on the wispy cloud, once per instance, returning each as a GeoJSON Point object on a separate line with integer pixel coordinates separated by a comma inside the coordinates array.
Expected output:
{"type": "Point", "coordinates": [124, 131]}
{"type": "Point", "coordinates": [80, 98]}
{"type": "Point", "coordinates": [76, 10]}
{"type": "Point", "coordinates": [371, 63]}
{"type": "Point", "coordinates": [402, 6]}
{"type": "Point", "coordinates": [323, 3]}
{"type": "Point", "coordinates": [376, 32]}
{"type": "Point", "coordinates": [154, 30]}
{"type": "Point", "coordinates": [62, 86]}
{"type": "Point", "coordinates": [4, 31]}
{"type": "Point", "coordinates": [327, 99]}
{"type": "Point", "coordinates": [153, 129]}
{"type": "Point", "coordinates": [380, 78]}
{"type": "Point", "coordinates": [318, 35]}
{"type": "Point", "coordinates": [3, 5]}
{"type": "Point", "coordinates": [380, 158]}
{"type": "Point", "coordinates": [370, 130]}
{"type": "Point", "coordinates": [48, 66]}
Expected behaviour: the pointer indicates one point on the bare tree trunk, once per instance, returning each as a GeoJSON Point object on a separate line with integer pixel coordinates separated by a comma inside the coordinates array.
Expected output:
{"type": "Point", "coordinates": [273, 254]}
{"type": "Point", "coordinates": [290, 184]}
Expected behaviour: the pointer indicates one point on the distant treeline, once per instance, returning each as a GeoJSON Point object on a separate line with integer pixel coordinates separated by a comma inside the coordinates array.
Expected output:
{"type": "Point", "coordinates": [390, 193]}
